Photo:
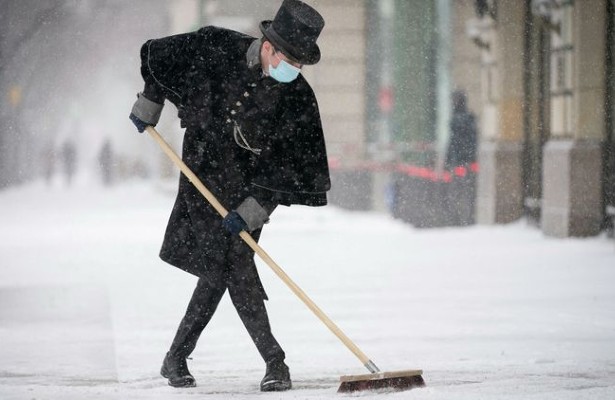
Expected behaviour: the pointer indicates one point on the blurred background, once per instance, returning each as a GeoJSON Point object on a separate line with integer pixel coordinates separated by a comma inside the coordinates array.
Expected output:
{"type": "Point", "coordinates": [439, 112]}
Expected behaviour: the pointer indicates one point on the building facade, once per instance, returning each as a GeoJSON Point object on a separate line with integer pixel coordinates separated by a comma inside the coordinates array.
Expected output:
{"type": "Point", "coordinates": [547, 135]}
{"type": "Point", "coordinates": [539, 75]}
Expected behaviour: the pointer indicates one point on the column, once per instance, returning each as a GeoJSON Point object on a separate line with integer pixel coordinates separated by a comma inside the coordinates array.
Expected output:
{"type": "Point", "coordinates": [572, 172]}
{"type": "Point", "coordinates": [499, 186]}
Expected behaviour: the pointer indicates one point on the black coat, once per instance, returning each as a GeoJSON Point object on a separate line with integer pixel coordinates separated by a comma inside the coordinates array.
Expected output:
{"type": "Point", "coordinates": [246, 135]}
{"type": "Point", "coordinates": [462, 145]}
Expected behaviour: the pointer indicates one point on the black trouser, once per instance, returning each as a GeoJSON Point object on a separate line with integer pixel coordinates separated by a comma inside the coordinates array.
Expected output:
{"type": "Point", "coordinates": [230, 267]}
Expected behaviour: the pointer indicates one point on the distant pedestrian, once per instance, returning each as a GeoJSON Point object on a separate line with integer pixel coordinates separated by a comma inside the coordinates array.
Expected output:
{"type": "Point", "coordinates": [69, 159]}
{"type": "Point", "coordinates": [48, 162]}
{"type": "Point", "coordinates": [105, 161]}
{"type": "Point", "coordinates": [463, 139]}
{"type": "Point", "coordinates": [461, 192]}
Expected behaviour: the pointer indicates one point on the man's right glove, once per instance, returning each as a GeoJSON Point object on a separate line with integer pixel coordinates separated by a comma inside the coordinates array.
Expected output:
{"type": "Point", "coordinates": [138, 123]}
{"type": "Point", "coordinates": [145, 112]}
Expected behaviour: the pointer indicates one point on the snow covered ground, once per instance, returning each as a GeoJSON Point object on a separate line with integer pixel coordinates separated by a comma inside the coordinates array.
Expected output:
{"type": "Point", "coordinates": [87, 310]}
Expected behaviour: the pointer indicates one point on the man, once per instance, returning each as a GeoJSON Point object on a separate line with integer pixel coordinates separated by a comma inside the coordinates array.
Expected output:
{"type": "Point", "coordinates": [254, 136]}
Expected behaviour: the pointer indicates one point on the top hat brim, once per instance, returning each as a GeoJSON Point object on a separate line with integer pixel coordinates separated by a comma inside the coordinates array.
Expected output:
{"type": "Point", "coordinates": [306, 56]}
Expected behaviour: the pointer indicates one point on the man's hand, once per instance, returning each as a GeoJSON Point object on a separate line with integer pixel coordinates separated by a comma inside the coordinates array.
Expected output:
{"type": "Point", "coordinates": [138, 123]}
{"type": "Point", "coordinates": [234, 223]}
{"type": "Point", "coordinates": [249, 216]}
{"type": "Point", "coordinates": [145, 112]}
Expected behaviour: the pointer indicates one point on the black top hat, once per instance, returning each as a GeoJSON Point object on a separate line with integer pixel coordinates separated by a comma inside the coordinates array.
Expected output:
{"type": "Point", "coordinates": [294, 31]}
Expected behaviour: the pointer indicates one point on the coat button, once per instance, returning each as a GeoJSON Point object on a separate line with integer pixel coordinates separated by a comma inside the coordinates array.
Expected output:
{"type": "Point", "coordinates": [233, 112]}
{"type": "Point", "coordinates": [238, 104]}
{"type": "Point", "coordinates": [246, 94]}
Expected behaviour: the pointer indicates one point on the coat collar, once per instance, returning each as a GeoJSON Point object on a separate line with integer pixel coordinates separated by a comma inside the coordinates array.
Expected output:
{"type": "Point", "coordinates": [253, 55]}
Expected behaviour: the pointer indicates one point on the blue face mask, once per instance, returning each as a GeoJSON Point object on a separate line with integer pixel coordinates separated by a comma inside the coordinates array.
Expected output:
{"type": "Point", "coordinates": [284, 72]}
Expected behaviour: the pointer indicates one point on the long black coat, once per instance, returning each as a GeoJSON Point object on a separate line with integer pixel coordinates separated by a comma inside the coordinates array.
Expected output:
{"type": "Point", "coordinates": [462, 145]}
{"type": "Point", "coordinates": [246, 135]}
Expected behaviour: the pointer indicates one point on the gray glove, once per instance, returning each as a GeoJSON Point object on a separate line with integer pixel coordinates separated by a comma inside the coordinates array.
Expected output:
{"type": "Point", "coordinates": [253, 214]}
{"type": "Point", "coordinates": [146, 110]}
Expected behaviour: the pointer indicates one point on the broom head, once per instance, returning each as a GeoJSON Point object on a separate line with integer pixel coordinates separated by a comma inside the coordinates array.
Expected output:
{"type": "Point", "coordinates": [396, 380]}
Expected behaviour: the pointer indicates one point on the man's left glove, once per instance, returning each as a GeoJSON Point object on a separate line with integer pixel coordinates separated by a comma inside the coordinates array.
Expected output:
{"type": "Point", "coordinates": [145, 112]}
{"type": "Point", "coordinates": [234, 223]}
{"type": "Point", "coordinates": [249, 216]}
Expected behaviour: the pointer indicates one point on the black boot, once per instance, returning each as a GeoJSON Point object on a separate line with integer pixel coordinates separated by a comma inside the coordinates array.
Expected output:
{"type": "Point", "coordinates": [277, 377]}
{"type": "Point", "coordinates": [176, 371]}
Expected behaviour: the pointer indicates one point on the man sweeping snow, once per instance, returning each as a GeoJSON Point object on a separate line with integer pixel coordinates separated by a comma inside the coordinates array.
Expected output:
{"type": "Point", "coordinates": [254, 137]}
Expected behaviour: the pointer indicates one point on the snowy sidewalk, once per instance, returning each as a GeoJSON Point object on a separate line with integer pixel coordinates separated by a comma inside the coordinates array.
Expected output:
{"type": "Point", "coordinates": [87, 310]}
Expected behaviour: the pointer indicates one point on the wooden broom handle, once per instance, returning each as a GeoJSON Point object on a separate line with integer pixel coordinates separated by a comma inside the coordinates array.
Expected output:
{"type": "Point", "coordinates": [262, 254]}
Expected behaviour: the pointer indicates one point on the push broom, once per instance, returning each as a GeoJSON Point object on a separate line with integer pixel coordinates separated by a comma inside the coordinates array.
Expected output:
{"type": "Point", "coordinates": [398, 380]}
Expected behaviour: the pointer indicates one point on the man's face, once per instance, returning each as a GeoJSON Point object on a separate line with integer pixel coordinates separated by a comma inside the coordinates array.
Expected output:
{"type": "Point", "coordinates": [272, 56]}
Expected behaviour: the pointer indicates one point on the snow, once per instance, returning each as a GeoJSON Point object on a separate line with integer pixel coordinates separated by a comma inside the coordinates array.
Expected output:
{"type": "Point", "coordinates": [87, 310]}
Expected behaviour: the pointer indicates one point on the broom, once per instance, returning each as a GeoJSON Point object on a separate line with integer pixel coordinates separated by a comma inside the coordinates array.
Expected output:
{"type": "Point", "coordinates": [398, 380]}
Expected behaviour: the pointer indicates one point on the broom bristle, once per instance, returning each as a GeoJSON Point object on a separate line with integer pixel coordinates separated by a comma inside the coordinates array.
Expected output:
{"type": "Point", "coordinates": [400, 380]}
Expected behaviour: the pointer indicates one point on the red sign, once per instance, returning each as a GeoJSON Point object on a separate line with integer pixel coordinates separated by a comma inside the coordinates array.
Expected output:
{"type": "Point", "coordinates": [385, 99]}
